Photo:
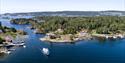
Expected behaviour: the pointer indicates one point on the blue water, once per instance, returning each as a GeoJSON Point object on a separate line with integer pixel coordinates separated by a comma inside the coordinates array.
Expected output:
{"type": "Point", "coordinates": [86, 51]}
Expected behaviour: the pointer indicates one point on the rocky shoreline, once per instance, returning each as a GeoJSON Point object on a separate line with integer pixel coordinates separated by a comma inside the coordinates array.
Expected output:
{"type": "Point", "coordinates": [76, 37]}
{"type": "Point", "coordinates": [107, 36]}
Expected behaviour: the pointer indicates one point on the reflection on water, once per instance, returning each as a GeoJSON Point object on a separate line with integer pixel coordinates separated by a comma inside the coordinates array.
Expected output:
{"type": "Point", "coordinates": [111, 42]}
{"type": "Point", "coordinates": [2, 56]}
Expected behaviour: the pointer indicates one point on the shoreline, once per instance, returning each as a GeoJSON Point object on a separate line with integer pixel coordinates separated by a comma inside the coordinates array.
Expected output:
{"type": "Point", "coordinates": [114, 36]}
{"type": "Point", "coordinates": [107, 36]}
{"type": "Point", "coordinates": [56, 41]}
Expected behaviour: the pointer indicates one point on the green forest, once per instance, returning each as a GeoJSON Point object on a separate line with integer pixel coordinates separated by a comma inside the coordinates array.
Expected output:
{"type": "Point", "coordinates": [70, 25]}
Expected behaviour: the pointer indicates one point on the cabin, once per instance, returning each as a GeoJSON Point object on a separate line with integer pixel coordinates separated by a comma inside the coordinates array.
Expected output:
{"type": "Point", "coordinates": [82, 33]}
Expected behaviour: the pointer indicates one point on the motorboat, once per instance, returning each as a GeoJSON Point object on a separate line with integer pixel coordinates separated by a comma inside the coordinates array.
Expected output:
{"type": "Point", "coordinates": [45, 51]}
{"type": "Point", "coordinates": [11, 49]}
{"type": "Point", "coordinates": [17, 44]}
{"type": "Point", "coordinates": [24, 46]}
{"type": "Point", "coordinates": [6, 52]}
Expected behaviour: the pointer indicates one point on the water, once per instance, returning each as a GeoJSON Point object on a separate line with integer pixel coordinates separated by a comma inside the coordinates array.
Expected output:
{"type": "Point", "coordinates": [87, 51]}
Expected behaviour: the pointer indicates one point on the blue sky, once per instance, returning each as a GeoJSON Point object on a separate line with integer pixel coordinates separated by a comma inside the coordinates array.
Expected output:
{"type": "Point", "coordinates": [13, 6]}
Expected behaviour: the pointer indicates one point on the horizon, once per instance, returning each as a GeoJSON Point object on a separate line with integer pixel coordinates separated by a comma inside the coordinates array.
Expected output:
{"type": "Point", "coordinates": [62, 11]}
{"type": "Point", "coordinates": [23, 6]}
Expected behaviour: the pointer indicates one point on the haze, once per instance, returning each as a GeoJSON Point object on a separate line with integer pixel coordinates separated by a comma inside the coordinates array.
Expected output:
{"type": "Point", "coordinates": [14, 6]}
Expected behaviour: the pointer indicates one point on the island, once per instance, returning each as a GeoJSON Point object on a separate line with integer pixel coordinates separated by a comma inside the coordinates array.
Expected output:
{"type": "Point", "coordinates": [22, 21]}
{"type": "Point", "coordinates": [72, 29]}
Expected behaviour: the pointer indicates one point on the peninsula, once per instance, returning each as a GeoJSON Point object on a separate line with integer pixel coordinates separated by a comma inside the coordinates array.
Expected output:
{"type": "Point", "coordinates": [7, 34]}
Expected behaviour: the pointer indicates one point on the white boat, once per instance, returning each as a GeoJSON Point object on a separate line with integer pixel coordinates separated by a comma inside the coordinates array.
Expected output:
{"type": "Point", "coordinates": [18, 44]}
{"type": "Point", "coordinates": [107, 37]}
{"type": "Point", "coordinates": [114, 37]}
{"type": "Point", "coordinates": [121, 36]}
{"type": "Point", "coordinates": [45, 51]}
{"type": "Point", "coordinates": [6, 52]}
{"type": "Point", "coordinates": [24, 46]}
{"type": "Point", "coordinates": [11, 49]}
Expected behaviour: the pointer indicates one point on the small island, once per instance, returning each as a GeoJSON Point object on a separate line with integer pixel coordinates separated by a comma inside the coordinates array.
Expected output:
{"type": "Point", "coordinates": [22, 21]}
{"type": "Point", "coordinates": [71, 29]}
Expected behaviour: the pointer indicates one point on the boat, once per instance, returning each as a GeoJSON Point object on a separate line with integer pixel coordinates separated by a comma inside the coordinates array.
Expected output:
{"type": "Point", "coordinates": [24, 46]}
{"type": "Point", "coordinates": [6, 52]}
{"type": "Point", "coordinates": [107, 36]}
{"type": "Point", "coordinates": [114, 37]}
{"type": "Point", "coordinates": [121, 36]}
{"type": "Point", "coordinates": [16, 44]}
{"type": "Point", "coordinates": [45, 51]}
{"type": "Point", "coordinates": [11, 49]}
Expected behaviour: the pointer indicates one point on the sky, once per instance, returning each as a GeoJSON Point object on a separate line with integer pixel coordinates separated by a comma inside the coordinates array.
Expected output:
{"type": "Point", "coordinates": [16, 6]}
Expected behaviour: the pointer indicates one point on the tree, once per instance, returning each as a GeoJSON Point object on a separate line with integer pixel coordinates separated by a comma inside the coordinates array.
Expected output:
{"type": "Point", "coordinates": [1, 40]}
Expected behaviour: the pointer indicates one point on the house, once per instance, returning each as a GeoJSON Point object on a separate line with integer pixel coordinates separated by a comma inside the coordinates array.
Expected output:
{"type": "Point", "coordinates": [82, 33]}
{"type": "Point", "coordinates": [8, 39]}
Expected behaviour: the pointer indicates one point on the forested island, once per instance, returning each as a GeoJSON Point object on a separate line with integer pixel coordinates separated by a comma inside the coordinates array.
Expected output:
{"type": "Point", "coordinates": [69, 29]}
{"type": "Point", "coordinates": [22, 21]}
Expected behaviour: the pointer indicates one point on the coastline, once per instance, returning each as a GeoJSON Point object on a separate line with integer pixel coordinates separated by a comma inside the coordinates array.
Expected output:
{"type": "Point", "coordinates": [66, 38]}
{"type": "Point", "coordinates": [85, 37]}
{"type": "Point", "coordinates": [114, 36]}
{"type": "Point", "coordinates": [54, 40]}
